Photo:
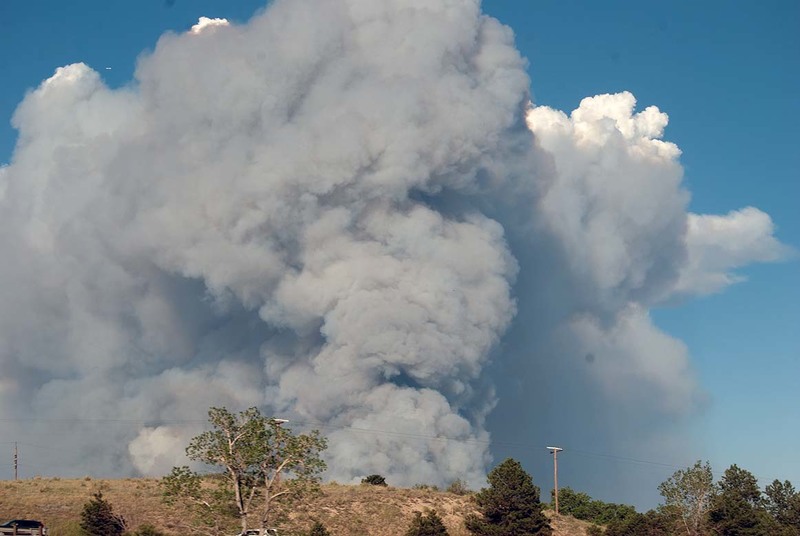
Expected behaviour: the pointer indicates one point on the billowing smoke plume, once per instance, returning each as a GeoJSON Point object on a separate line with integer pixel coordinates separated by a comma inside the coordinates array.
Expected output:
{"type": "Point", "coordinates": [618, 211]}
{"type": "Point", "coordinates": [334, 212]}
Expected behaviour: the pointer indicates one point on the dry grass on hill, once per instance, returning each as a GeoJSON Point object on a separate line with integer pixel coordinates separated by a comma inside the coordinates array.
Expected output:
{"type": "Point", "coordinates": [345, 510]}
{"type": "Point", "coordinates": [58, 503]}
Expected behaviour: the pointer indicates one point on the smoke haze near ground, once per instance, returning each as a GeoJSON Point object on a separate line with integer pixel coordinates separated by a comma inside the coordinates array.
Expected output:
{"type": "Point", "coordinates": [348, 213]}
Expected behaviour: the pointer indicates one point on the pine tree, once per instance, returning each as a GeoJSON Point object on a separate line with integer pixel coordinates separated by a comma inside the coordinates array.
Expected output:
{"type": "Point", "coordinates": [651, 523]}
{"type": "Point", "coordinates": [783, 503]}
{"type": "Point", "coordinates": [738, 508]}
{"type": "Point", "coordinates": [510, 506]}
{"type": "Point", "coordinates": [429, 524]}
{"type": "Point", "coordinates": [99, 519]}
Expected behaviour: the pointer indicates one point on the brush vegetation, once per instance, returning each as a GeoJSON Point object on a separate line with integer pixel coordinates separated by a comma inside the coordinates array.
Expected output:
{"type": "Point", "coordinates": [344, 510]}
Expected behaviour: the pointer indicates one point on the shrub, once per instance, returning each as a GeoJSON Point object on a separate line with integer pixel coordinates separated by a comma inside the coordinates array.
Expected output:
{"type": "Point", "coordinates": [318, 529]}
{"type": "Point", "coordinates": [429, 524]}
{"type": "Point", "coordinates": [458, 487]}
{"type": "Point", "coordinates": [99, 519]}
{"type": "Point", "coordinates": [581, 506]}
{"type": "Point", "coordinates": [374, 480]}
{"type": "Point", "coordinates": [594, 530]}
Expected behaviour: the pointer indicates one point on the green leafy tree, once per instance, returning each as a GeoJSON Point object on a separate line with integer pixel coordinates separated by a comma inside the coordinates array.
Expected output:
{"type": "Point", "coordinates": [99, 519]}
{"type": "Point", "coordinates": [738, 508]}
{"type": "Point", "coordinates": [211, 503]}
{"type": "Point", "coordinates": [688, 494]}
{"type": "Point", "coordinates": [255, 452]}
{"type": "Point", "coordinates": [233, 445]}
{"type": "Point", "coordinates": [429, 524]}
{"type": "Point", "coordinates": [609, 512]}
{"type": "Point", "coordinates": [295, 456]}
{"type": "Point", "coordinates": [510, 506]}
{"type": "Point", "coordinates": [574, 503]}
{"type": "Point", "coordinates": [651, 523]}
{"type": "Point", "coordinates": [581, 506]}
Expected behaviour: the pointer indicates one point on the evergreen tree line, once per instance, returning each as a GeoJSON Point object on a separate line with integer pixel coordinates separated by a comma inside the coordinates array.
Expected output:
{"type": "Point", "coordinates": [695, 505]}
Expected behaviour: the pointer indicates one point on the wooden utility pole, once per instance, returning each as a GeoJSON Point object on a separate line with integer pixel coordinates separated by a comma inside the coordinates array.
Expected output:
{"type": "Point", "coordinates": [555, 451]}
{"type": "Point", "coordinates": [16, 458]}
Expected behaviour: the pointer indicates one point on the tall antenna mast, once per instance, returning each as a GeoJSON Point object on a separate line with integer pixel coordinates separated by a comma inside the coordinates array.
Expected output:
{"type": "Point", "coordinates": [16, 457]}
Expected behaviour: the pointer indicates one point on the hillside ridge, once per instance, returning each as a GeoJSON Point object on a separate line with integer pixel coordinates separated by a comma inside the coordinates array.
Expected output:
{"type": "Point", "coordinates": [346, 510]}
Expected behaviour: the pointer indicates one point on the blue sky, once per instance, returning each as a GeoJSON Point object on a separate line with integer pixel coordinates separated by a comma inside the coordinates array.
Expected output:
{"type": "Point", "coordinates": [728, 75]}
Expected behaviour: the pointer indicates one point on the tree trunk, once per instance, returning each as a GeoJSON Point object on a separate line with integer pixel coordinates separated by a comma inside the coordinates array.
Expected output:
{"type": "Point", "coordinates": [237, 487]}
{"type": "Point", "coordinates": [265, 517]}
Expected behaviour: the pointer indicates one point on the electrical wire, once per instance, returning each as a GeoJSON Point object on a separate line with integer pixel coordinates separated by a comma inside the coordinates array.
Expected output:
{"type": "Point", "coordinates": [524, 446]}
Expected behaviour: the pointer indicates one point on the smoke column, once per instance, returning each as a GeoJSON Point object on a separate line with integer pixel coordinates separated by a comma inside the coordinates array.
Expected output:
{"type": "Point", "coordinates": [334, 212]}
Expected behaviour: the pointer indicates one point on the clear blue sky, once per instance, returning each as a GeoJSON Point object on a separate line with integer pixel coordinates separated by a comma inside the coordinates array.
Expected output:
{"type": "Point", "coordinates": [726, 72]}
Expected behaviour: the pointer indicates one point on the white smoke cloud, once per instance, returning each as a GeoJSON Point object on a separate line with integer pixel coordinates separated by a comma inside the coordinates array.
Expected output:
{"type": "Point", "coordinates": [206, 23]}
{"type": "Point", "coordinates": [314, 212]}
{"type": "Point", "coordinates": [242, 228]}
{"type": "Point", "coordinates": [617, 204]}
{"type": "Point", "coordinates": [619, 211]}
{"type": "Point", "coordinates": [153, 450]}
{"type": "Point", "coordinates": [635, 360]}
{"type": "Point", "coordinates": [719, 244]}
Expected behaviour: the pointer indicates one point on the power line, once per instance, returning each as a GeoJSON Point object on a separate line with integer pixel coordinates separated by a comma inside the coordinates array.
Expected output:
{"type": "Point", "coordinates": [103, 420]}
{"type": "Point", "coordinates": [336, 427]}
{"type": "Point", "coordinates": [494, 443]}
{"type": "Point", "coordinates": [523, 446]}
{"type": "Point", "coordinates": [40, 447]}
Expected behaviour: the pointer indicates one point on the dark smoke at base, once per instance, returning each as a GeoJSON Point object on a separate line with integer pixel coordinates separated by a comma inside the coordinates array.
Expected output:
{"type": "Point", "coordinates": [335, 212]}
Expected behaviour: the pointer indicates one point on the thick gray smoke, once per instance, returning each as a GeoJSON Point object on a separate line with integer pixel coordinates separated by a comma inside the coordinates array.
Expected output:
{"type": "Point", "coordinates": [324, 212]}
